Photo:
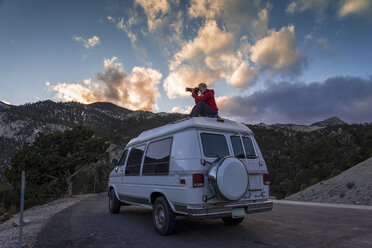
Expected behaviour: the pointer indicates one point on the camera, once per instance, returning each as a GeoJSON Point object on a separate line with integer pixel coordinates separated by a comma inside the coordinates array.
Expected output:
{"type": "Point", "coordinates": [196, 89]}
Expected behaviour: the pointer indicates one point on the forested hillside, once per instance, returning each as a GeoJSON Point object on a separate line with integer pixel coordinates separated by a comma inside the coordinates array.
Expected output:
{"type": "Point", "coordinates": [297, 160]}
{"type": "Point", "coordinates": [19, 124]}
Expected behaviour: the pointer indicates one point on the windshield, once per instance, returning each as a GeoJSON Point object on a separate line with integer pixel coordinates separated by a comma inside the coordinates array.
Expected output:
{"type": "Point", "coordinates": [238, 148]}
{"type": "Point", "coordinates": [214, 145]}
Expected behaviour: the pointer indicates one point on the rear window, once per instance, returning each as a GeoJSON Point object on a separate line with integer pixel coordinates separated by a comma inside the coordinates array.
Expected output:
{"type": "Point", "coordinates": [134, 161]}
{"type": "Point", "coordinates": [157, 158]}
{"type": "Point", "coordinates": [238, 148]}
{"type": "Point", "coordinates": [214, 145]}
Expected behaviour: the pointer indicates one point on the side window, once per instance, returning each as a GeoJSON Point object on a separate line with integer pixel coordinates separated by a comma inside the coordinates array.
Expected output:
{"type": "Point", "coordinates": [214, 145]}
{"type": "Point", "coordinates": [123, 157]}
{"type": "Point", "coordinates": [134, 161]}
{"type": "Point", "coordinates": [157, 158]}
{"type": "Point", "coordinates": [238, 148]}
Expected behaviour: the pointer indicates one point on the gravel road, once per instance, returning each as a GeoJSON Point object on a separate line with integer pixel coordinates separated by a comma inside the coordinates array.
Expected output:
{"type": "Point", "coordinates": [89, 224]}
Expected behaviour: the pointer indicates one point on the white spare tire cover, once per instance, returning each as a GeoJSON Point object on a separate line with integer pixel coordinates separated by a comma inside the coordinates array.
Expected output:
{"type": "Point", "coordinates": [231, 178]}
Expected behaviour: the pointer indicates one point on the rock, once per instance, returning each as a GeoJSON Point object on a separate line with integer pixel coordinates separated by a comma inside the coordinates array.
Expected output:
{"type": "Point", "coordinates": [15, 223]}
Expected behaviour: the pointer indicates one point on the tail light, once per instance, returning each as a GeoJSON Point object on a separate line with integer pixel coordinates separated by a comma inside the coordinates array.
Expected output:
{"type": "Point", "coordinates": [197, 180]}
{"type": "Point", "coordinates": [108, 179]}
{"type": "Point", "coordinates": [266, 178]}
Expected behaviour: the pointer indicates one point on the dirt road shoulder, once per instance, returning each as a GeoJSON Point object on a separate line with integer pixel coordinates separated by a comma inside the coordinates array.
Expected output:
{"type": "Point", "coordinates": [37, 217]}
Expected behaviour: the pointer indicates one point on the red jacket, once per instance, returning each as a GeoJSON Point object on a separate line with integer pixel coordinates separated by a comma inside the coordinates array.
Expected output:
{"type": "Point", "coordinates": [207, 97]}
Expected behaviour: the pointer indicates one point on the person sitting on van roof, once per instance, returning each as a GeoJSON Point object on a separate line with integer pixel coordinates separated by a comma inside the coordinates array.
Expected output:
{"type": "Point", "coordinates": [205, 104]}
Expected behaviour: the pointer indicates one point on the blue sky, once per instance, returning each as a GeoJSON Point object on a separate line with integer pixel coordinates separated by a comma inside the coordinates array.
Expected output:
{"type": "Point", "coordinates": [268, 61]}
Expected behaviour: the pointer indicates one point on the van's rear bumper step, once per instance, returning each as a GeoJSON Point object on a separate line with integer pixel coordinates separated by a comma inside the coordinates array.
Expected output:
{"type": "Point", "coordinates": [213, 211]}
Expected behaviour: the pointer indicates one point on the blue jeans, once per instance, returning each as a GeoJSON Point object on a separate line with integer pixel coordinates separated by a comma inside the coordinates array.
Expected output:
{"type": "Point", "coordinates": [202, 109]}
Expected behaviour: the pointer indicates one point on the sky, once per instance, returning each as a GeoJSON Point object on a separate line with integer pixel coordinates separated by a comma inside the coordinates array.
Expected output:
{"type": "Point", "coordinates": [290, 61]}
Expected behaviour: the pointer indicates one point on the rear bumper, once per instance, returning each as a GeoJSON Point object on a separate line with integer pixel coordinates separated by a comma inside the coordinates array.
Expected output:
{"type": "Point", "coordinates": [216, 211]}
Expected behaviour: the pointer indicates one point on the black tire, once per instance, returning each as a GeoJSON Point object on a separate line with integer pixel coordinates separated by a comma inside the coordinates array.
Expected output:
{"type": "Point", "coordinates": [232, 221]}
{"type": "Point", "coordinates": [163, 217]}
{"type": "Point", "coordinates": [114, 203]}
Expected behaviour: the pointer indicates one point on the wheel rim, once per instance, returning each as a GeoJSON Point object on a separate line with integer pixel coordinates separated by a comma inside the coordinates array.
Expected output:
{"type": "Point", "coordinates": [159, 216]}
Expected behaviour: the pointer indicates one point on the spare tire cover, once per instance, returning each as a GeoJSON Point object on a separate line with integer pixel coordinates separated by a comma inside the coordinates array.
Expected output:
{"type": "Point", "coordinates": [232, 178]}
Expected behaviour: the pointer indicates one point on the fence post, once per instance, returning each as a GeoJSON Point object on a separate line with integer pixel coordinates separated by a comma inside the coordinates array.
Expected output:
{"type": "Point", "coordinates": [21, 212]}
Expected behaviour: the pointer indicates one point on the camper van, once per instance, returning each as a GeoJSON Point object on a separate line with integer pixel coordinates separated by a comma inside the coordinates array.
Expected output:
{"type": "Point", "coordinates": [199, 167]}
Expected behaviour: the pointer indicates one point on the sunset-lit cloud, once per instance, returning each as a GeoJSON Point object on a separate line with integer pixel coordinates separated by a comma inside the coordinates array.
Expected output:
{"type": "Point", "coordinates": [206, 8]}
{"type": "Point", "coordinates": [91, 42]}
{"type": "Point", "coordinates": [361, 8]}
{"type": "Point", "coordinates": [126, 27]}
{"type": "Point", "coordinates": [111, 19]}
{"type": "Point", "coordinates": [137, 90]}
{"type": "Point", "coordinates": [183, 110]}
{"type": "Point", "coordinates": [209, 57]}
{"type": "Point", "coordinates": [278, 50]}
{"type": "Point", "coordinates": [356, 7]}
{"type": "Point", "coordinates": [303, 5]}
{"type": "Point", "coordinates": [237, 15]}
{"type": "Point", "coordinates": [210, 41]}
{"type": "Point", "coordinates": [155, 10]}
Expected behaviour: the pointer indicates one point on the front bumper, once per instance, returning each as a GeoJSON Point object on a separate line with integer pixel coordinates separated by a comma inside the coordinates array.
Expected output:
{"type": "Point", "coordinates": [217, 211]}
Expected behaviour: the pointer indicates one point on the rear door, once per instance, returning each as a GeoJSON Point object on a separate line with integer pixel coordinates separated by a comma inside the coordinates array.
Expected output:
{"type": "Point", "coordinates": [214, 145]}
{"type": "Point", "coordinates": [244, 149]}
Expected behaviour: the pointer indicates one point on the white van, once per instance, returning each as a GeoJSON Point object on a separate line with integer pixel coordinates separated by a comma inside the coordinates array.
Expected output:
{"type": "Point", "coordinates": [199, 167]}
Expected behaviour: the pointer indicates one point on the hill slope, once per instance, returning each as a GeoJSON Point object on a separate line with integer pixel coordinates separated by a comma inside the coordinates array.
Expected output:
{"type": "Point", "coordinates": [19, 124]}
{"type": "Point", "coordinates": [329, 122]}
{"type": "Point", "coordinates": [353, 186]}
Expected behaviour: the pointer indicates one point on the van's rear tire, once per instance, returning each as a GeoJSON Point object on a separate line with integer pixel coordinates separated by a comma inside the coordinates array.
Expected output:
{"type": "Point", "coordinates": [114, 203]}
{"type": "Point", "coordinates": [163, 217]}
{"type": "Point", "coordinates": [232, 221]}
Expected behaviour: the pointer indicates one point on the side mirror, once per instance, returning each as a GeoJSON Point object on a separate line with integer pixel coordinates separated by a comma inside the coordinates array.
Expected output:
{"type": "Point", "coordinates": [114, 162]}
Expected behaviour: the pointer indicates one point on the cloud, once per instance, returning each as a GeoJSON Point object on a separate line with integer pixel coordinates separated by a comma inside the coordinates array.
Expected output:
{"type": "Point", "coordinates": [209, 57]}
{"type": "Point", "coordinates": [206, 8]}
{"type": "Point", "coordinates": [318, 6]}
{"type": "Point", "coordinates": [355, 7]}
{"type": "Point", "coordinates": [187, 76]}
{"type": "Point", "coordinates": [111, 19]}
{"type": "Point", "coordinates": [126, 27]}
{"type": "Point", "coordinates": [303, 5]}
{"type": "Point", "coordinates": [210, 41]}
{"type": "Point", "coordinates": [237, 15]}
{"type": "Point", "coordinates": [91, 42]}
{"type": "Point", "coordinates": [178, 109]}
{"type": "Point", "coordinates": [278, 50]}
{"type": "Point", "coordinates": [155, 11]}
{"type": "Point", "coordinates": [349, 98]}
{"type": "Point", "coordinates": [361, 8]}
{"type": "Point", "coordinates": [161, 23]}
{"type": "Point", "coordinates": [137, 90]}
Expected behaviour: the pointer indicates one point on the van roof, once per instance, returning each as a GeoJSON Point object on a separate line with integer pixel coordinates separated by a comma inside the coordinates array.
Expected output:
{"type": "Point", "coordinates": [195, 122]}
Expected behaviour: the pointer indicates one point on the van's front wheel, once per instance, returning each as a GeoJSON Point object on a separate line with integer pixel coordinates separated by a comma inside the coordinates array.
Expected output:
{"type": "Point", "coordinates": [163, 217]}
{"type": "Point", "coordinates": [232, 221]}
{"type": "Point", "coordinates": [114, 203]}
